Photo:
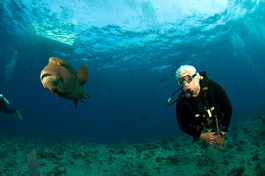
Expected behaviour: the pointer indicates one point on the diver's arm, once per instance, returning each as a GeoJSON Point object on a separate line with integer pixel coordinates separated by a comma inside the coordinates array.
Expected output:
{"type": "Point", "coordinates": [183, 122]}
{"type": "Point", "coordinates": [225, 105]}
{"type": "Point", "coordinates": [9, 111]}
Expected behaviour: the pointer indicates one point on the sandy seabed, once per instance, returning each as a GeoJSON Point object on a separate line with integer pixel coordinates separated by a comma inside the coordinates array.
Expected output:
{"type": "Point", "coordinates": [242, 154]}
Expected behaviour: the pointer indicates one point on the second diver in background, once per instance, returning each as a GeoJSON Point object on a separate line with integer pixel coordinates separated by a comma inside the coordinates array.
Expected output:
{"type": "Point", "coordinates": [4, 106]}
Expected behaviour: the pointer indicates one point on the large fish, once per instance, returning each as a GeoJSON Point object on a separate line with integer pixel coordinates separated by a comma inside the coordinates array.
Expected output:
{"type": "Point", "coordinates": [62, 80]}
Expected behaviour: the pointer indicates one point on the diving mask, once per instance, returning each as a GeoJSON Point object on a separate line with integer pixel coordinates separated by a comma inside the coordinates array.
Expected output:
{"type": "Point", "coordinates": [187, 78]}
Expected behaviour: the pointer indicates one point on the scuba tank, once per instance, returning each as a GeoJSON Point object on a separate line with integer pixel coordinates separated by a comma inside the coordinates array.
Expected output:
{"type": "Point", "coordinates": [6, 102]}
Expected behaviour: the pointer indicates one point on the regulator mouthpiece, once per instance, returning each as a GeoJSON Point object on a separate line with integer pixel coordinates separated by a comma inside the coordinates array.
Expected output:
{"type": "Point", "coordinates": [188, 93]}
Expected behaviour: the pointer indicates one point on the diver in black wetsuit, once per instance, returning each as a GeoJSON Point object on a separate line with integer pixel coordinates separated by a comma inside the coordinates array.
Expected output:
{"type": "Point", "coordinates": [4, 104]}
{"type": "Point", "coordinates": [203, 104]}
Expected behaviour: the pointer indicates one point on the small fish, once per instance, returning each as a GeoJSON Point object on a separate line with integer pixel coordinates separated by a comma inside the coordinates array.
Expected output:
{"type": "Point", "coordinates": [61, 79]}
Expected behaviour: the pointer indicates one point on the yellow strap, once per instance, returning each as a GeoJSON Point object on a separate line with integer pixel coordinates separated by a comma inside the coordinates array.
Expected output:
{"type": "Point", "coordinates": [216, 120]}
{"type": "Point", "coordinates": [205, 127]}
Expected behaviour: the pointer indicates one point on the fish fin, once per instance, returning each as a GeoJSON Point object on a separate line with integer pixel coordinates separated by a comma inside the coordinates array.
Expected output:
{"type": "Point", "coordinates": [87, 95]}
{"type": "Point", "coordinates": [82, 74]}
{"type": "Point", "coordinates": [83, 101]}
{"type": "Point", "coordinates": [75, 102]}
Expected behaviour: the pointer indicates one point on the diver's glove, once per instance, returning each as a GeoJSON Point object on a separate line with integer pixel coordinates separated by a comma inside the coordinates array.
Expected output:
{"type": "Point", "coordinates": [17, 114]}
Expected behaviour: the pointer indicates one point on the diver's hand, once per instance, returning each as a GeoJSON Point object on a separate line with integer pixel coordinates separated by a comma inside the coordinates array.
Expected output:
{"type": "Point", "coordinates": [218, 141]}
{"type": "Point", "coordinates": [208, 137]}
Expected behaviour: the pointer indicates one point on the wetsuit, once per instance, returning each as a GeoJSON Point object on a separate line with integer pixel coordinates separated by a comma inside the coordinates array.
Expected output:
{"type": "Point", "coordinates": [5, 108]}
{"type": "Point", "coordinates": [186, 116]}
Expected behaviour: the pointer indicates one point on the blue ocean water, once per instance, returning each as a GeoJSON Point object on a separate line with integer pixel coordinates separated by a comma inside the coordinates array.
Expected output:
{"type": "Point", "coordinates": [132, 50]}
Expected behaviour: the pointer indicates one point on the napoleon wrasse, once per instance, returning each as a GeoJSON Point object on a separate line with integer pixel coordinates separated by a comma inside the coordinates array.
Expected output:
{"type": "Point", "coordinates": [61, 79]}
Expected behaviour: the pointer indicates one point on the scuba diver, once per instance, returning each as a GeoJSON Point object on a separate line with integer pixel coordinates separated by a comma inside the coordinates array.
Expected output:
{"type": "Point", "coordinates": [202, 104]}
{"type": "Point", "coordinates": [4, 104]}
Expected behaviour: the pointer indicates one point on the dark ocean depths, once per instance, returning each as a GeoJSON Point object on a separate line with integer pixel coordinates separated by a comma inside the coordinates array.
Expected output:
{"type": "Point", "coordinates": [132, 49]}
